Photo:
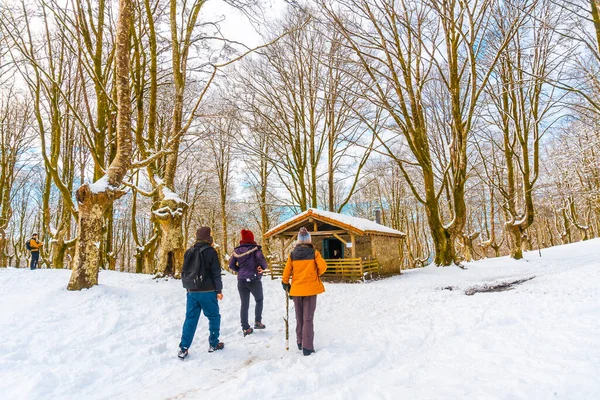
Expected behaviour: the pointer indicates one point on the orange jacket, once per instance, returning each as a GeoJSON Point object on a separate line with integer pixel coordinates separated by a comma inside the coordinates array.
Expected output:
{"type": "Point", "coordinates": [34, 244]}
{"type": "Point", "coordinates": [305, 266]}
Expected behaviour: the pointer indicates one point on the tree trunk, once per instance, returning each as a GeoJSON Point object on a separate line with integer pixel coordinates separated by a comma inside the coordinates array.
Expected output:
{"type": "Point", "coordinates": [170, 211]}
{"type": "Point", "coordinates": [468, 247]}
{"type": "Point", "coordinates": [224, 227]}
{"type": "Point", "coordinates": [109, 256]}
{"type": "Point", "coordinates": [95, 200]}
{"type": "Point", "coordinates": [149, 259]}
{"type": "Point", "coordinates": [330, 172]}
{"type": "Point", "coordinates": [443, 240]}
{"type": "Point", "coordinates": [445, 254]}
{"type": "Point", "coordinates": [565, 235]}
{"type": "Point", "coordinates": [60, 245]}
{"type": "Point", "coordinates": [516, 241]}
{"type": "Point", "coordinates": [3, 242]}
{"type": "Point", "coordinates": [92, 207]}
{"type": "Point", "coordinates": [170, 216]}
{"type": "Point", "coordinates": [595, 5]}
{"type": "Point", "coordinates": [171, 255]}
{"type": "Point", "coordinates": [139, 261]}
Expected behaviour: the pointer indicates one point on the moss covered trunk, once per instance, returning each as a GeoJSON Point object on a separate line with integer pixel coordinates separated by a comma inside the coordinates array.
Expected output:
{"type": "Point", "coordinates": [170, 216]}
{"type": "Point", "coordinates": [515, 242]}
{"type": "Point", "coordinates": [94, 200]}
{"type": "Point", "coordinates": [92, 207]}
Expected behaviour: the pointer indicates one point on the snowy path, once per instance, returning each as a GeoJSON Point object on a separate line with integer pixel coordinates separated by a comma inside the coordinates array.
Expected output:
{"type": "Point", "coordinates": [399, 338]}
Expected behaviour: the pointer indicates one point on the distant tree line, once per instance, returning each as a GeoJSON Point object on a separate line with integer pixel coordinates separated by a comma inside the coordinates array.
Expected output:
{"type": "Point", "coordinates": [472, 125]}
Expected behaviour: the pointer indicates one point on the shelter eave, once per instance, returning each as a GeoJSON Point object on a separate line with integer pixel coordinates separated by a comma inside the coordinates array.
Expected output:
{"type": "Point", "coordinates": [305, 217]}
{"type": "Point", "coordinates": [400, 235]}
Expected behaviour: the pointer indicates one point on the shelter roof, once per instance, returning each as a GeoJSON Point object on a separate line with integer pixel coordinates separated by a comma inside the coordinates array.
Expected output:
{"type": "Point", "coordinates": [360, 226]}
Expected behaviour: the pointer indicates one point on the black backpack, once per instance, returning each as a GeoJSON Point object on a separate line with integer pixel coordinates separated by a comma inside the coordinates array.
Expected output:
{"type": "Point", "coordinates": [193, 272]}
{"type": "Point", "coordinates": [28, 244]}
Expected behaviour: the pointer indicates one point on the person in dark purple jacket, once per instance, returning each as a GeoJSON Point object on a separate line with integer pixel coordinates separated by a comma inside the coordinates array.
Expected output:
{"type": "Point", "coordinates": [249, 262]}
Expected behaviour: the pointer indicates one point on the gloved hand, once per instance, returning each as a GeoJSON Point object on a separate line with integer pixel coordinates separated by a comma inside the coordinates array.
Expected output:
{"type": "Point", "coordinates": [286, 286]}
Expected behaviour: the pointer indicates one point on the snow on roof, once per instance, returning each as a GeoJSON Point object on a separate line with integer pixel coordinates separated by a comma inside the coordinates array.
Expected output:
{"type": "Point", "coordinates": [359, 225]}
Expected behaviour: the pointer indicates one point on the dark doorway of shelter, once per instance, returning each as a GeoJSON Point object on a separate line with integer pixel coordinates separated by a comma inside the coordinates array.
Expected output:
{"type": "Point", "coordinates": [332, 249]}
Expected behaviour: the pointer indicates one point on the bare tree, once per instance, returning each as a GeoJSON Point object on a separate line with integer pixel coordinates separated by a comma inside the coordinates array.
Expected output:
{"type": "Point", "coordinates": [306, 99]}
{"type": "Point", "coordinates": [220, 131]}
{"type": "Point", "coordinates": [525, 108]}
{"type": "Point", "coordinates": [424, 64]}
{"type": "Point", "coordinates": [15, 139]}
{"type": "Point", "coordinates": [94, 199]}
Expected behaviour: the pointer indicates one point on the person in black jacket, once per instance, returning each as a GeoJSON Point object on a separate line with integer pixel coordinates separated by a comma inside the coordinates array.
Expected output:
{"type": "Point", "coordinates": [201, 276]}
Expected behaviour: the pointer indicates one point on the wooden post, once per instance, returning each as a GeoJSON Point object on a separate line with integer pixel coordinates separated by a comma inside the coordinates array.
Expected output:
{"type": "Point", "coordinates": [362, 270]}
{"type": "Point", "coordinates": [338, 237]}
{"type": "Point", "coordinates": [282, 249]}
{"type": "Point", "coordinates": [353, 241]}
{"type": "Point", "coordinates": [285, 246]}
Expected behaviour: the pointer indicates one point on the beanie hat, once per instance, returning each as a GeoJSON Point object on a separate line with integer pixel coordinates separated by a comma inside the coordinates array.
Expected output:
{"type": "Point", "coordinates": [203, 234]}
{"type": "Point", "coordinates": [304, 236]}
{"type": "Point", "coordinates": [247, 237]}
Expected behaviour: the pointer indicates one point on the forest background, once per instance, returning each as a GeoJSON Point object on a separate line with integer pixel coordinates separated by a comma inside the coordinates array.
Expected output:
{"type": "Point", "coordinates": [124, 125]}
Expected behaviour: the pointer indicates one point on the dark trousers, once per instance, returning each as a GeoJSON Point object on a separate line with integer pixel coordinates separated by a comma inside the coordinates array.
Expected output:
{"type": "Point", "coordinates": [201, 302]}
{"type": "Point", "coordinates": [35, 256]}
{"type": "Point", "coordinates": [305, 313]}
{"type": "Point", "coordinates": [245, 289]}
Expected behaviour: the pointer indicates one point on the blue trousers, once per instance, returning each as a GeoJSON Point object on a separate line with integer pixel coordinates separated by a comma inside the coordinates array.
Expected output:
{"type": "Point", "coordinates": [35, 256]}
{"type": "Point", "coordinates": [201, 302]}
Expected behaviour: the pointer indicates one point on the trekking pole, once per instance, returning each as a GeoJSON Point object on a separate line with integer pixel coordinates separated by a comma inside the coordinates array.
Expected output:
{"type": "Point", "coordinates": [286, 319]}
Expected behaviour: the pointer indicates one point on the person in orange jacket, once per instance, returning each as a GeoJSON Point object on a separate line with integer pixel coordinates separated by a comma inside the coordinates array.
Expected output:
{"type": "Point", "coordinates": [34, 246]}
{"type": "Point", "coordinates": [305, 266]}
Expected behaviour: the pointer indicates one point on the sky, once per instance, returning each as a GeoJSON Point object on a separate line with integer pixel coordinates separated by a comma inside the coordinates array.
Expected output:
{"type": "Point", "coordinates": [237, 26]}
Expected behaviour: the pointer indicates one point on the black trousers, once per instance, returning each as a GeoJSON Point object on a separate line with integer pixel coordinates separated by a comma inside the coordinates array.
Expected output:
{"type": "Point", "coordinates": [245, 289]}
{"type": "Point", "coordinates": [35, 256]}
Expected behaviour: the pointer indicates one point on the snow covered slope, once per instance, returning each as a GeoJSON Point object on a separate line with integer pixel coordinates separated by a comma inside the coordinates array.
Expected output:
{"type": "Point", "coordinates": [399, 338]}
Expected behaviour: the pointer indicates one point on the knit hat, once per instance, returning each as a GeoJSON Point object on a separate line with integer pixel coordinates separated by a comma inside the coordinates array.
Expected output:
{"type": "Point", "coordinates": [203, 234]}
{"type": "Point", "coordinates": [304, 236]}
{"type": "Point", "coordinates": [247, 237]}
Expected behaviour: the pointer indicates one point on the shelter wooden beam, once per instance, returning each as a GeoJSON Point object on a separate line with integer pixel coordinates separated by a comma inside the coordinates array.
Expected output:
{"type": "Point", "coordinates": [318, 233]}
{"type": "Point", "coordinates": [286, 244]}
{"type": "Point", "coordinates": [353, 241]}
{"type": "Point", "coordinates": [338, 237]}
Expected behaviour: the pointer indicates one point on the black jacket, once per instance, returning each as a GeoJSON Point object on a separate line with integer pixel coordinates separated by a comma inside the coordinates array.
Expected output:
{"type": "Point", "coordinates": [212, 267]}
{"type": "Point", "coordinates": [303, 251]}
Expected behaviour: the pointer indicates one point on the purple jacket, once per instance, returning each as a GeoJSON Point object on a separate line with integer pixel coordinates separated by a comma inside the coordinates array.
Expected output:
{"type": "Point", "coordinates": [245, 260]}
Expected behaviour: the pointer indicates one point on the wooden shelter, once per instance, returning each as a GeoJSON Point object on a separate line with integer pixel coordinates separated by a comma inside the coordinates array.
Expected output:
{"type": "Point", "coordinates": [354, 248]}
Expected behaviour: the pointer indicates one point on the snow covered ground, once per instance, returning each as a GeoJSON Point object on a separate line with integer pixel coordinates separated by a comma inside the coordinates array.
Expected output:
{"type": "Point", "coordinates": [399, 338]}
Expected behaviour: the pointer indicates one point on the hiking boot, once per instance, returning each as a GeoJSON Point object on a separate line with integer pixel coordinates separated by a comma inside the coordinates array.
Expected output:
{"type": "Point", "coordinates": [307, 352]}
{"type": "Point", "coordinates": [219, 346]}
{"type": "Point", "coordinates": [299, 346]}
{"type": "Point", "coordinates": [259, 325]}
{"type": "Point", "coordinates": [248, 331]}
{"type": "Point", "coordinates": [183, 353]}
